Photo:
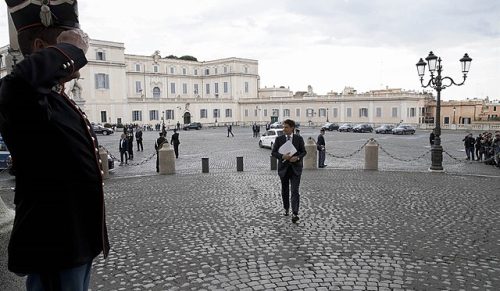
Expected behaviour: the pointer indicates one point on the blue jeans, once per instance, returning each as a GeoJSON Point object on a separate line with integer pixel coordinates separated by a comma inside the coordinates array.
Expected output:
{"type": "Point", "coordinates": [74, 279]}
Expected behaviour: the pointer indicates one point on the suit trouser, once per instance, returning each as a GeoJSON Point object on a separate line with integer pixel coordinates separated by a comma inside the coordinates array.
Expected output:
{"type": "Point", "coordinates": [321, 158]}
{"type": "Point", "coordinates": [74, 279]}
{"type": "Point", "coordinates": [123, 154]}
{"type": "Point", "coordinates": [294, 180]}
{"type": "Point", "coordinates": [140, 147]}
{"type": "Point", "coordinates": [176, 150]}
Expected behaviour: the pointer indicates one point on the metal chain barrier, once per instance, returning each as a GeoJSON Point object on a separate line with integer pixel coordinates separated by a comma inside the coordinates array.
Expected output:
{"type": "Point", "coordinates": [457, 159]}
{"type": "Point", "coordinates": [400, 159]}
{"type": "Point", "coordinates": [350, 155]}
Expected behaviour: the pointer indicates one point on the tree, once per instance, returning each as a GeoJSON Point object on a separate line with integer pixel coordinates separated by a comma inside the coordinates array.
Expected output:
{"type": "Point", "coordinates": [188, 58]}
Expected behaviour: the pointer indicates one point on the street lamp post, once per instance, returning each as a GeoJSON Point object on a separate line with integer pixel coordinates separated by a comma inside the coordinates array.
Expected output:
{"type": "Point", "coordinates": [163, 130]}
{"type": "Point", "coordinates": [327, 109]}
{"type": "Point", "coordinates": [454, 110]}
{"type": "Point", "coordinates": [437, 83]}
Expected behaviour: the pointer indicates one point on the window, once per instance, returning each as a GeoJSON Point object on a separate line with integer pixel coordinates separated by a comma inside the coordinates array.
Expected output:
{"type": "Point", "coordinates": [246, 112]}
{"type": "Point", "coordinates": [137, 67]}
{"type": "Point", "coordinates": [103, 116]}
{"type": "Point", "coordinates": [363, 112]}
{"type": "Point", "coordinates": [169, 114]}
{"type": "Point", "coordinates": [226, 88]}
{"type": "Point", "coordinates": [394, 112]}
{"type": "Point", "coordinates": [203, 113]}
{"type": "Point", "coordinates": [216, 88]}
{"type": "Point", "coordinates": [195, 90]}
{"type": "Point", "coordinates": [225, 70]}
{"type": "Point", "coordinates": [322, 112]}
{"type": "Point", "coordinates": [309, 112]}
{"type": "Point", "coordinates": [335, 112]}
{"type": "Point", "coordinates": [155, 69]}
{"type": "Point", "coordinates": [286, 112]}
{"type": "Point", "coordinates": [136, 115]}
{"type": "Point", "coordinates": [196, 72]}
{"type": "Point", "coordinates": [184, 71]}
{"type": "Point", "coordinates": [184, 88]}
{"type": "Point", "coordinates": [265, 112]}
{"type": "Point", "coordinates": [100, 56]}
{"type": "Point", "coordinates": [153, 115]}
{"type": "Point", "coordinates": [156, 92]}
{"type": "Point", "coordinates": [229, 113]}
{"type": "Point", "coordinates": [379, 112]}
{"type": "Point", "coordinates": [494, 108]}
{"type": "Point", "coordinates": [138, 87]}
{"type": "Point", "coordinates": [101, 81]}
{"type": "Point", "coordinates": [446, 120]}
{"type": "Point", "coordinates": [349, 112]}
{"type": "Point", "coordinates": [276, 112]}
{"type": "Point", "coordinates": [246, 87]}
{"type": "Point", "coordinates": [207, 88]}
{"type": "Point", "coordinates": [246, 70]}
{"type": "Point", "coordinates": [412, 112]}
{"type": "Point", "coordinates": [215, 71]}
{"type": "Point", "coordinates": [255, 112]}
{"type": "Point", "coordinates": [216, 113]}
{"type": "Point", "coordinates": [207, 72]}
{"type": "Point", "coordinates": [172, 88]}
{"type": "Point", "coordinates": [297, 112]}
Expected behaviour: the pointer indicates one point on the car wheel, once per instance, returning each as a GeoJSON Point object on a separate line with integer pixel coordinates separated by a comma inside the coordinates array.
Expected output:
{"type": "Point", "coordinates": [105, 132]}
{"type": "Point", "coordinates": [272, 145]}
{"type": "Point", "coordinates": [260, 144]}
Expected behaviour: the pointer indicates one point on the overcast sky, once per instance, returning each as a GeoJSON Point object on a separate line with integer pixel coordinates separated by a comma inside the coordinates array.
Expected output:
{"type": "Point", "coordinates": [328, 44]}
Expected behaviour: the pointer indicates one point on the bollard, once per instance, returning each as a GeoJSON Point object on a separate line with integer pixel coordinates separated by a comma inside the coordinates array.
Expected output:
{"type": "Point", "coordinates": [204, 165]}
{"type": "Point", "coordinates": [311, 158]}
{"type": "Point", "coordinates": [166, 159]}
{"type": "Point", "coordinates": [239, 164]}
{"type": "Point", "coordinates": [371, 155]}
{"type": "Point", "coordinates": [274, 163]}
{"type": "Point", "coordinates": [103, 156]}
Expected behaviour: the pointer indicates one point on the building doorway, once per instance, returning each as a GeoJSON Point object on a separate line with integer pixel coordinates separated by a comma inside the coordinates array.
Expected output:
{"type": "Point", "coordinates": [187, 118]}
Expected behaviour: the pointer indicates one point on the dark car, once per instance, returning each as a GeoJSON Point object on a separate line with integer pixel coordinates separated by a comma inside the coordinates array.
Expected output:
{"type": "Point", "coordinates": [102, 130]}
{"type": "Point", "coordinates": [362, 128]}
{"type": "Point", "coordinates": [345, 127]}
{"type": "Point", "coordinates": [4, 155]}
{"type": "Point", "coordinates": [403, 129]}
{"type": "Point", "coordinates": [385, 128]}
{"type": "Point", "coordinates": [192, 125]}
{"type": "Point", "coordinates": [330, 126]}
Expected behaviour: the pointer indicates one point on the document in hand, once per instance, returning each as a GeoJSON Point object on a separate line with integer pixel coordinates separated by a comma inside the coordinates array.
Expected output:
{"type": "Point", "coordinates": [287, 148]}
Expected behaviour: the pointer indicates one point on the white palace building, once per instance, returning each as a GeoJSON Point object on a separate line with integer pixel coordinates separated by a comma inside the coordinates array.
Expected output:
{"type": "Point", "coordinates": [122, 88]}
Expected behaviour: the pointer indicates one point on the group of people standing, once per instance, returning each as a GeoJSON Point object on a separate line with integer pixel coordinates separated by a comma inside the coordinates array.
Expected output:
{"type": "Point", "coordinates": [256, 130]}
{"type": "Point", "coordinates": [126, 145]}
{"type": "Point", "coordinates": [485, 147]}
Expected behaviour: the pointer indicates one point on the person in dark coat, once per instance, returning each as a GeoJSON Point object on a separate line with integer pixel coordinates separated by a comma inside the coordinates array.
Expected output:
{"type": "Point", "coordinates": [469, 143]}
{"type": "Point", "coordinates": [130, 143]}
{"type": "Point", "coordinates": [123, 147]}
{"type": "Point", "coordinates": [158, 144]}
{"type": "Point", "coordinates": [432, 137]}
{"type": "Point", "coordinates": [59, 226]}
{"type": "Point", "coordinates": [290, 167]}
{"type": "Point", "coordinates": [175, 142]}
{"type": "Point", "coordinates": [321, 148]}
{"type": "Point", "coordinates": [230, 130]}
{"type": "Point", "coordinates": [138, 138]}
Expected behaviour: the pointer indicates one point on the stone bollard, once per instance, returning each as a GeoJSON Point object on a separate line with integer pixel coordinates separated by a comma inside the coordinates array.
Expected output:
{"type": "Point", "coordinates": [239, 164]}
{"type": "Point", "coordinates": [204, 165]}
{"type": "Point", "coordinates": [103, 156]}
{"type": "Point", "coordinates": [311, 158]}
{"type": "Point", "coordinates": [371, 155]}
{"type": "Point", "coordinates": [166, 159]}
{"type": "Point", "coordinates": [274, 163]}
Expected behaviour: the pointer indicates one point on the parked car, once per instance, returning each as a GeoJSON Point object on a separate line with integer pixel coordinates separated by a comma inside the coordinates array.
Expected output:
{"type": "Point", "coordinates": [192, 125]}
{"type": "Point", "coordinates": [101, 129]}
{"type": "Point", "coordinates": [4, 155]}
{"type": "Point", "coordinates": [384, 128]}
{"type": "Point", "coordinates": [345, 127]}
{"type": "Point", "coordinates": [276, 124]}
{"type": "Point", "coordinates": [403, 129]}
{"type": "Point", "coordinates": [363, 128]}
{"type": "Point", "coordinates": [267, 138]}
{"type": "Point", "coordinates": [330, 126]}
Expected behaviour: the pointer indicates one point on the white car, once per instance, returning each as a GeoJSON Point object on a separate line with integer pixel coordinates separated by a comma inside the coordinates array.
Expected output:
{"type": "Point", "coordinates": [267, 139]}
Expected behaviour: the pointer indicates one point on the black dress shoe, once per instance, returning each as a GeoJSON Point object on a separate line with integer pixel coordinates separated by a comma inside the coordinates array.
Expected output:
{"type": "Point", "coordinates": [295, 218]}
{"type": "Point", "coordinates": [286, 212]}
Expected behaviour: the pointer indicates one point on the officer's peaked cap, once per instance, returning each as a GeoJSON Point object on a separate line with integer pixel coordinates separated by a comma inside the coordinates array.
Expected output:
{"type": "Point", "coordinates": [47, 13]}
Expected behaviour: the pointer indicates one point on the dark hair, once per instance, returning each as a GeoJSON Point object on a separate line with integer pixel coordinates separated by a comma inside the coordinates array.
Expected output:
{"type": "Point", "coordinates": [290, 123]}
{"type": "Point", "coordinates": [28, 36]}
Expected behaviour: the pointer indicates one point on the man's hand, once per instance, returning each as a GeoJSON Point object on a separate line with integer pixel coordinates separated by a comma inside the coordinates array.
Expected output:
{"type": "Point", "coordinates": [75, 37]}
{"type": "Point", "coordinates": [294, 159]}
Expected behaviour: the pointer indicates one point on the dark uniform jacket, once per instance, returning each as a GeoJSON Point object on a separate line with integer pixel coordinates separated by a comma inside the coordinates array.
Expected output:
{"type": "Point", "coordinates": [60, 215]}
{"type": "Point", "coordinates": [175, 139]}
{"type": "Point", "coordinates": [283, 166]}
{"type": "Point", "coordinates": [321, 143]}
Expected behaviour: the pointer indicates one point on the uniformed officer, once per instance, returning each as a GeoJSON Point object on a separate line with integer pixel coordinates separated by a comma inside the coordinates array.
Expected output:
{"type": "Point", "coordinates": [60, 225]}
{"type": "Point", "coordinates": [158, 144]}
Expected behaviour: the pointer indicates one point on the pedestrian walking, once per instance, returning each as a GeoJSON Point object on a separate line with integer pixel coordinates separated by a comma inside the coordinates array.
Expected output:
{"type": "Point", "coordinates": [178, 126]}
{"type": "Point", "coordinates": [130, 143]}
{"type": "Point", "coordinates": [175, 142]}
{"type": "Point", "coordinates": [138, 138]}
{"type": "Point", "coordinates": [59, 225]}
{"type": "Point", "coordinates": [254, 129]}
{"type": "Point", "coordinates": [469, 142]}
{"type": "Point", "coordinates": [432, 137]}
{"type": "Point", "coordinates": [290, 167]}
{"type": "Point", "coordinates": [158, 144]}
{"type": "Point", "coordinates": [321, 148]}
{"type": "Point", "coordinates": [230, 130]}
{"type": "Point", "coordinates": [123, 147]}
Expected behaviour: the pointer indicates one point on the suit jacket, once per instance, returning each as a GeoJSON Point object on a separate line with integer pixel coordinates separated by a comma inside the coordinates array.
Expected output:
{"type": "Point", "coordinates": [123, 145]}
{"type": "Point", "coordinates": [175, 139]}
{"type": "Point", "coordinates": [283, 166]}
{"type": "Point", "coordinates": [321, 142]}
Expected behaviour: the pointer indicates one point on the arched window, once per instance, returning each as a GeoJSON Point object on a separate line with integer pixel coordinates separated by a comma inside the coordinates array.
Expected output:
{"type": "Point", "coordinates": [156, 92]}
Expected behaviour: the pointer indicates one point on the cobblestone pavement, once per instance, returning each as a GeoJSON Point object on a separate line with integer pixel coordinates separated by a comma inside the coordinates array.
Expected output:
{"type": "Point", "coordinates": [382, 230]}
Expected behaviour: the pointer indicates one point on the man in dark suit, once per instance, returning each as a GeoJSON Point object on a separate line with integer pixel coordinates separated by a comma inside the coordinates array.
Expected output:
{"type": "Point", "coordinates": [123, 149]}
{"type": "Point", "coordinates": [175, 142]}
{"type": "Point", "coordinates": [321, 148]}
{"type": "Point", "coordinates": [290, 167]}
{"type": "Point", "coordinates": [158, 144]}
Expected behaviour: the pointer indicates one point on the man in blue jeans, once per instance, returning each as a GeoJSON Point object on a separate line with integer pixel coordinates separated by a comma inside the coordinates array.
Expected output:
{"type": "Point", "coordinates": [60, 226]}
